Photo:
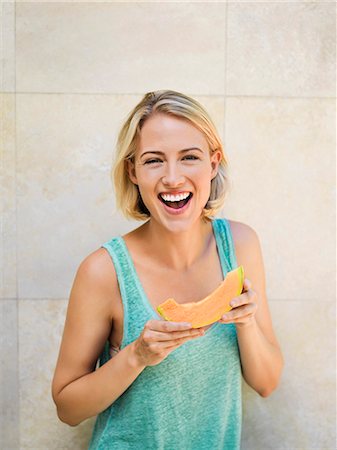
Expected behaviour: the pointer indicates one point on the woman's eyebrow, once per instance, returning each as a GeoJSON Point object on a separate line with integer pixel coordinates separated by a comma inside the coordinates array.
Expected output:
{"type": "Point", "coordinates": [157, 152]}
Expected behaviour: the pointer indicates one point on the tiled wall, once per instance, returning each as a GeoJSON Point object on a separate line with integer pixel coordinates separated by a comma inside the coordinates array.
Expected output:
{"type": "Point", "coordinates": [71, 71]}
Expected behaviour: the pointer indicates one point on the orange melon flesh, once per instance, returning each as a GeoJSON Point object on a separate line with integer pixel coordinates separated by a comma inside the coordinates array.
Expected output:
{"type": "Point", "coordinates": [211, 308]}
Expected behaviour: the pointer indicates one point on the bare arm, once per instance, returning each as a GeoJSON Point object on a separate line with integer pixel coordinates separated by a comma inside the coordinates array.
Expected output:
{"type": "Point", "coordinates": [261, 357]}
{"type": "Point", "coordinates": [261, 360]}
{"type": "Point", "coordinates": [79, 391]}
{"type": "Point", "coordinates": [93, 393]}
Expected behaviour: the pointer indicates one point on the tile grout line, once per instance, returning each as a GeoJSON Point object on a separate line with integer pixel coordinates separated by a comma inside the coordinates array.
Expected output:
{"type": "Point", "coordinates": [2, 147]}
{"type": "Point", "coordinates": [225, 75]}
{"type": "Point", "coordinates": [16, 240]}
{"type": "Point", "coordinates": [225, 81]}
{"type": "Point", "coordinates": [229, 174]}
{"type": "Point", "coordinates": [271, 97]}
{"type": "Point", "coordinates": [169, 1]}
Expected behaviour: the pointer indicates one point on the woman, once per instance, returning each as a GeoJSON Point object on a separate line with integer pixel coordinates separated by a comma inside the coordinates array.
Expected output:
{"type": "Point", "coordinates": [161, 384]}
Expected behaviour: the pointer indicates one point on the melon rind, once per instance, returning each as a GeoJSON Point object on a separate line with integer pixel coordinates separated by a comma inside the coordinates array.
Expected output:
{"type": "Point", "coordinates": [211, 308]}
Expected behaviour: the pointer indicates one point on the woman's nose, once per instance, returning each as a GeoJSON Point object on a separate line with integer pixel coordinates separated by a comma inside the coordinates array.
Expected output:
{"type": "Point", "coordinates": [172, 175]}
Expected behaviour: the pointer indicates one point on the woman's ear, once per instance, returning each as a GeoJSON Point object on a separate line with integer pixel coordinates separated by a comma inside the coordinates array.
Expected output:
{"type": "Point", "coordinates": [215, 161]}
{"type": "Point", "coordinates": [130, 166]}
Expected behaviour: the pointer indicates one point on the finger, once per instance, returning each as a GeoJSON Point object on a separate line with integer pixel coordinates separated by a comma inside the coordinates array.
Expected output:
{"type": "Point", "coordinates": [239, 312]}
{"type": "Point", "coordinates": [248, 297]}
{"type": "Point", "coordinates": [243, 299]}
{"type": "Point", "coordinates": [238, 319]}
{"type": "Point", "coordinates": [177, 342]}
{"type": "Point", "coordinates": [160, 336]}
{"type": "Point", "coordinates": [242, 320]}
{"type": "Point", "coordinates": [246, 284]}
{"type": "Point", "coordinates": [181, 341]}
{"type": "Point", "coordinates": [167, 325]}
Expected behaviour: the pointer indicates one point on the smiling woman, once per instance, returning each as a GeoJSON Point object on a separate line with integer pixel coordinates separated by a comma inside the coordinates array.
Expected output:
{"type": "Point", "coordinates": [167, 107]}
{"type": "Point", "coordinates": [172, 174]}
{"type": "Point", "coordinates": [162, 384]}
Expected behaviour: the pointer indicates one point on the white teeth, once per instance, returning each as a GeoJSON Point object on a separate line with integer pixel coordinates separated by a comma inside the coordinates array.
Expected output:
{"type": "Point", "coordinates": [174, 198]}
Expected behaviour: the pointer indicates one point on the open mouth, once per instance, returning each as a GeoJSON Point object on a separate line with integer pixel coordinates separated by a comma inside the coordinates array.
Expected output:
{"type": "Point", "coordinates": [176, 204]}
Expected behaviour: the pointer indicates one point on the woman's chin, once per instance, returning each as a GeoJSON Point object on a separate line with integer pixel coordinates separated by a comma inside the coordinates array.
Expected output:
{"type": "Point", "coordinates": [177, 224]}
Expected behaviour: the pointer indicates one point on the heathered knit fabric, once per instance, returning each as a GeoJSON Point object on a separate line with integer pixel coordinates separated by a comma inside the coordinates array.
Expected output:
{"type": "Point", "coordinates": [189, 401]}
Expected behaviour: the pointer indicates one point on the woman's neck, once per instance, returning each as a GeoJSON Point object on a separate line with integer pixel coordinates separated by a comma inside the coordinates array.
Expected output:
{"type": "Point", "coordinates": [176, 251]}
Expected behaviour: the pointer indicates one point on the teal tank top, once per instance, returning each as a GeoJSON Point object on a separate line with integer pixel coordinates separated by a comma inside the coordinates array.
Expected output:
{"type": "Point", "coordinates": [189, 401]}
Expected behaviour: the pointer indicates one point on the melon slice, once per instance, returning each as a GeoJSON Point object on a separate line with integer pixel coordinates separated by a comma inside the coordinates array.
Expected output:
{"type": "Point", "coordinates": [211, 308]}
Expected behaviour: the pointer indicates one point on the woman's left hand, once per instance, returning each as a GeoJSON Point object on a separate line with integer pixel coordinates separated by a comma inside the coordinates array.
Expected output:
{"type": "Point", "coordinates": [243, 307]}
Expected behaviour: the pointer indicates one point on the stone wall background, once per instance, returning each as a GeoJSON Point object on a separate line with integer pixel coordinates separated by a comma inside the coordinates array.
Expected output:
{"type": "Point", "coordinates": [71, 71]}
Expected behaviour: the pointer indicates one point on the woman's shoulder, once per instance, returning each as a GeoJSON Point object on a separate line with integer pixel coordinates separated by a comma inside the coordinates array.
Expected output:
{"type": "Point", "coordinates": [97, 274]}
{"type": "Point", "coordinates": [246, 242]}
{"type": "Point", "coordinates": [241, 230]}
{"type": "Point", "coordinates": [99, 268]}
{"type": "Point", "coordinates": [244, 235]}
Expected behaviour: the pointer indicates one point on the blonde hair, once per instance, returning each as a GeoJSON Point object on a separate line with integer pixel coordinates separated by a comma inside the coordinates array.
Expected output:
{"type": "Point", "coordinates": [128, 198]}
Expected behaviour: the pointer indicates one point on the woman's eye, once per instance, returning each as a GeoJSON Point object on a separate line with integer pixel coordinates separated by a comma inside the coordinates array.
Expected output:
{"type": "Point", "coordinates": [151, 161]}
{"type": "Point", "coordinates": [191, 157]}
{"type": "Point", "coordinates": [157, 160]}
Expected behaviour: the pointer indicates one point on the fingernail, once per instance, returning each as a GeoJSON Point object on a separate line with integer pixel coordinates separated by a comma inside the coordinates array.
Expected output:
{"type": "Point", "coordinates": [225, 316]}
{"type": "Point", "coordinates": [232, 303]}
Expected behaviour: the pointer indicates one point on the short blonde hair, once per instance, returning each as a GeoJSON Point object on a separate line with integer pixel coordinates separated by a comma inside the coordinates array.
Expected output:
{"type": "Point", "coordinates": [128, 198]}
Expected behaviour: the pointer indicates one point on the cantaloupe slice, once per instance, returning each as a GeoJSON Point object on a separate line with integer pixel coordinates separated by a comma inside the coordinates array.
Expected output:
{"type": "Point", "coordinates": [211, 308]}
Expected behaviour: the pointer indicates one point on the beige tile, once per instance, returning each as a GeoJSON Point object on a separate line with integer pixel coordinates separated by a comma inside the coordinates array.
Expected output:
{"type": "Point", "coordinates": [41, 325]}
{"type": "Point", "coordinates": [7, 46]}
{"type": "Point", "coordinates": [215, 106]}
{"type": "Point", "coordinates": [9, 386]}
{"type": "Point", "coordinates": [65, 199]}
{"type": "Point", "coordinates": [282, 161]}
{"type": "Point", "coordinates": [66, 205]}
{"type": "Point", "coordinates": [266, 1]}
{"type": "Point", "coordinates": [174, 1]}
{"type": "Point", "coordinates": [301, 413]}
{"type": "Point", "coordinates": [118, 1]}
{"type": "Point", "coordinates": [281, 49]}
{"type": "Point", "coordinates": [112, 47]}
{"type": "Point", "coordinates": [7, 199]}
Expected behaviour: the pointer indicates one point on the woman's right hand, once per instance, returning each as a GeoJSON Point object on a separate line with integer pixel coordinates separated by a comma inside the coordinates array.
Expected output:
{"type": "Point", "coordinates": [160, 337]}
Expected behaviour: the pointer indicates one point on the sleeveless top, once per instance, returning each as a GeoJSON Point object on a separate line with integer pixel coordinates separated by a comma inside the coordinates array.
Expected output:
{"type": "Point", "coordinates": [192, 399]}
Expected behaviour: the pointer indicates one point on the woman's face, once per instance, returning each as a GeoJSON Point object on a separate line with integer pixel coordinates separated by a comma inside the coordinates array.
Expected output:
{"type": "Point", "coordinates": [173, 169]}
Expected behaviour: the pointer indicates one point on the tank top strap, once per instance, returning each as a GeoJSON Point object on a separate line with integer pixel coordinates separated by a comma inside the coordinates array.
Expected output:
{"type": "Point", "coordinates": [134, 313]}
{"type": "Point", "coordinates": [225, 244]}
{"type": "Point", "coordinates": [122, 267]}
